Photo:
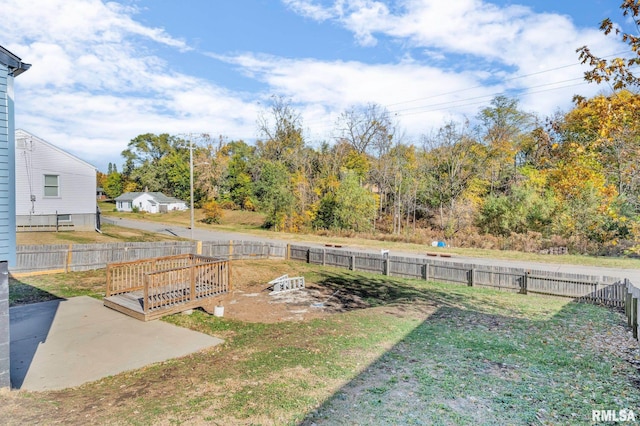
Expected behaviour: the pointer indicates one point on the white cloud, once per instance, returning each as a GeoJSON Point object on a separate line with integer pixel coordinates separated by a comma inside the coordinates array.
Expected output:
{"type": "Point", "coordinates": [309, 10]}
{"type": "Point", "coordinates": [98, 78]}
{"type": "Point", "coordinates": [95, 82]}
{"type": "Point", "coordinates": [457, 45]}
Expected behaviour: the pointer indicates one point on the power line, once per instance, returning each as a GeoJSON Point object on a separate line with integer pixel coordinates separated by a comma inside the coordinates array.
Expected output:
{"type": "Point", "coordinates": [493, 95]}
{"type": "Point", "coordinates": [517, 77]}
{"type": "Point", "coordinates": [460, 103]}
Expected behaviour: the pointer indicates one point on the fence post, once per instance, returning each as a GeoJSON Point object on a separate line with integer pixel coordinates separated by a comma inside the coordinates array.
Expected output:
{"type": "Point", "coordinates": [386, 266]}
{"type": "Point", "coordinates": [287, 254]}
{"type": "Point", "coordinates": [627, 302]}
{"type": "Point", "coordinates": [230, 249]}
{"type": "Point", "coordinates": [635, 317]}
{"type": "Point", "coordinates": [145, 301]}
{"type": "Point", "coordinates": [67, 267]}
{"type": "Point", "coordinates": [426, 271]}
{"type": "Point", "coordinates": [308, 255]}
{"type": "Point", "coordinates": [109, 271]}
{"type": "Point", "coordinates": [471, 277]}
{"type": "Point", "coordinates": [199, 248]}
{"type": "Point", "coordinates": [192, 279]}
{"type": "Point", "coordinates": [324, 256]}
{"type": "Point", "coordinates": [352, 263]}
{"type": "Point", "coordinates": [632, 313]}
{"type": "Point", "coordinates": [524, 283]}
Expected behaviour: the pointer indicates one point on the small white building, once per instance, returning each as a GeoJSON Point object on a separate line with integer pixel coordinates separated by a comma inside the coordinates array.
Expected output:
{"type": "Point", "coordinates": [151, 202]}
{"type": "Point", "coordinates": [54, 189]}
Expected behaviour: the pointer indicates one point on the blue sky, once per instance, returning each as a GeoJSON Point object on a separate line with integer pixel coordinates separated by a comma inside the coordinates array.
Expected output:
{"type": "Point", "coordinates": [105, 72]}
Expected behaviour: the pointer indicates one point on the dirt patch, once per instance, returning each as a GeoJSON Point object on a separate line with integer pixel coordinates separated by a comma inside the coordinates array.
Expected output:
{"type": "Point", "coordinates": [252, 300]}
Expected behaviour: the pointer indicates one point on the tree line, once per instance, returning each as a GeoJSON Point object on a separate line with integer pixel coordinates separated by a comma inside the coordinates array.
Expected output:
{"type": "Point", "coordinates": [510, 179]}
{"type": "Point", "coordinates": [570, 179]}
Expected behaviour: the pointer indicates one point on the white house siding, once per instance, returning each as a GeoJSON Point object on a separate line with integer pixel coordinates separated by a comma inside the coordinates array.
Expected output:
{"type": "Point", "coordinates": [36, 158]}
{"type": "Point", "coordinates": [123, 206]}
{"type": "Point", "coordinates": [151, 202]}
{"type": "Point", "coordinates": [177, 206]}
{"type": "Point", "coordinates": [146, 203]}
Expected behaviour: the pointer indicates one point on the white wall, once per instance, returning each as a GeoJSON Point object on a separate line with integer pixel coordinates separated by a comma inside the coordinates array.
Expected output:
{"type": "Point", "coordinates": [143, 202]}
{"type": "Point", "coordinates": [77, 179]}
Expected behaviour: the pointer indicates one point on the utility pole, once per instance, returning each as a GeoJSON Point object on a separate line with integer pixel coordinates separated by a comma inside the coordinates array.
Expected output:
{"type": "Point", "coordinates": [191, 182]}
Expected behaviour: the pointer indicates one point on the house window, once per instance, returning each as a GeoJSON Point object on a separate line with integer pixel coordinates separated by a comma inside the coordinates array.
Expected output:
{"type": "Point", "coordinates": [51, 187]}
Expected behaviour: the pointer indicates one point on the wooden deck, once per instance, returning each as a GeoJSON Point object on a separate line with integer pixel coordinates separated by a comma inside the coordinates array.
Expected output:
{"type": "Point", "coordinates": [192, 282]}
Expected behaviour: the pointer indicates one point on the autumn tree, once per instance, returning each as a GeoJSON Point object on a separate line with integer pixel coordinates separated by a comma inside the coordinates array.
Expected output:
{"type": "Point", "coordinates": [609, 128]}
{"type": "Point", "coordinates": [281, 130]}
{"type": "Point", "coordinates": [451, 166]}
{"type": "Point", "coordinates": [504, 128]}
{"type": "Point", "coordinates": [619, 71]}
{"type": "Point", "coordinates": [365, 128]}
{"type": "Point", "coordinates": [595, 176]}
{"type": "Point", "coordinates": [209, 166]}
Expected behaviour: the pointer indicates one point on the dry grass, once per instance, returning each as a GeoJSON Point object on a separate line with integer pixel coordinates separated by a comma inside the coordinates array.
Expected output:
{"type": "Point", "coordinates": [110, 234]}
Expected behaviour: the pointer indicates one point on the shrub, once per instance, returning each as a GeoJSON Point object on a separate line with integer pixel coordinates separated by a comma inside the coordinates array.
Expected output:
{"type": "Point", "coordinates": [228, 205]}
{"type": "Point", "coordinates": [212, 212]}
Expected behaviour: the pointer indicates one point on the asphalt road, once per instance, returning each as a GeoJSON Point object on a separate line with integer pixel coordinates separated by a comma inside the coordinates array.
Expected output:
{"type": "Point", "coordinates": [210, 235]}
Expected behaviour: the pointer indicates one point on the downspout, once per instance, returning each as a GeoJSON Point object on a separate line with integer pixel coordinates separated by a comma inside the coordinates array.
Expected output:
{"type": "Point", "coordinates": [97, 225]}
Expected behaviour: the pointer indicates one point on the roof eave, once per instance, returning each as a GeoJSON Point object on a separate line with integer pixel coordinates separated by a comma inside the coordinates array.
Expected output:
{"type": "Point", "coordinates": [14, 63]}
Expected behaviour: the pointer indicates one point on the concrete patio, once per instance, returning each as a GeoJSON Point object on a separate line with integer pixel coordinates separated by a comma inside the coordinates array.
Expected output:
{"type": "Point", "coordinates": [66, 343]}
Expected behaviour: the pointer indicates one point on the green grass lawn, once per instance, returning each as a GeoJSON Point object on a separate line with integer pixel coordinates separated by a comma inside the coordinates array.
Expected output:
{"type": "Point", "coordinates": [421, 353]}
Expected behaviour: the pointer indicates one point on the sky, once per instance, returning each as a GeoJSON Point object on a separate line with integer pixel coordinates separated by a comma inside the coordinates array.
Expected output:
{"type": "Point", "coordinates": [104, 72]}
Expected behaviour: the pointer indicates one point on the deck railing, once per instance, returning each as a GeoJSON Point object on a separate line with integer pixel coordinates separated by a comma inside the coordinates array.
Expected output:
{"type": "Point", "coordinates": [125, 277]}
{"type": "Point", "coordinates": [204, 278]}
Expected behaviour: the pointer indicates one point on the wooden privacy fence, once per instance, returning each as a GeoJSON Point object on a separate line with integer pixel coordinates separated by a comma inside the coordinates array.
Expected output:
{"type": "Point", "coordinates": [632, 307]}
{"type": "Point", "coordinates": [606, 290]}
{"type": "Point", "coordinates": [81, 257]}
{"type": "Point", "coordinates": [212, 277]}
{"type": "Point", "coordinates": [151, 288]}
{"type": "Point", "coordinates": [78, 257]}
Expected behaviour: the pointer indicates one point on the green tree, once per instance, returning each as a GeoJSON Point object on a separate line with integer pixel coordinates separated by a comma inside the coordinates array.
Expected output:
{"type": "Point", "coordinates": [152, 162]}
{"type": "Point", "coordinates": [504, 128]}
{"type": "Point", "coordinates": [527, 207]}
{"type": "Point", "coordinates": [113, 185]}
{"type": "Point", "coordinates": [275, 194]}
{"type": "Point", "coordinates": [349, 206]}
{"type": "Point", "coordinates": [238, 185]}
